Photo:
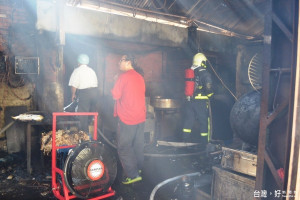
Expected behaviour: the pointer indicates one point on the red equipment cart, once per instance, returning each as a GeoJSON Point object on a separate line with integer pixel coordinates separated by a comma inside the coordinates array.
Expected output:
{"type": "Point", "coordinates": [95, 169]}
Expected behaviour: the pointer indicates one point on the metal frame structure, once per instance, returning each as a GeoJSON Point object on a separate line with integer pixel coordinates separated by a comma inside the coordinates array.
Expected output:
{"type": "Point", "coordinates": [55, 170]}
{"type": "Point", "coordinates": [267, 171]}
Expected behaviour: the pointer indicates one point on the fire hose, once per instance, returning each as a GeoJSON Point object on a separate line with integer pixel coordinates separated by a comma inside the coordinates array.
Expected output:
{"type": "Point", "coordinates": [170, 180]}
{"type": "Point", "coordinates": [151, 154]}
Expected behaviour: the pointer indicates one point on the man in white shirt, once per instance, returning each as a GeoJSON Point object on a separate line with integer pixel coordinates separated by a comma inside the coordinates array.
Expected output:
{"type": "Point", "coordinates": [84, 83]}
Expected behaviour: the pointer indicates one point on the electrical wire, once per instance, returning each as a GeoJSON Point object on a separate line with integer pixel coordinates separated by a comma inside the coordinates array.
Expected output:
{"type": "Point", "coordinates": [106, 140]}
{"type": "Point", "coordinates": [221, 80]}
{"type": "Point", "coordinates": [6, 79]}
{"type": "Point", "coordinates": [20, 98]}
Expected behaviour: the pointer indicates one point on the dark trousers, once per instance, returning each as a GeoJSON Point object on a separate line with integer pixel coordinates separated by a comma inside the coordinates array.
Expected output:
{"type": "Point", "coordinates": [130, 145]}
{"type": "Point", "coordinates": [196, 110]}
{"type": "Point", "coordinates": [87, 102]}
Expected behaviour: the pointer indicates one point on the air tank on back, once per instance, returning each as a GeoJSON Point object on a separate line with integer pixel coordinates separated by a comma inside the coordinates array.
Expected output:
{"type": "Point", "coordinates": [244, 117]}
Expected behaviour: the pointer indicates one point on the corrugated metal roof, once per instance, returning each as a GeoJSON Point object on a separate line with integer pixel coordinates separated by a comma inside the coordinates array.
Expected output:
{"type": "Point", "coordinates": [243, 18]}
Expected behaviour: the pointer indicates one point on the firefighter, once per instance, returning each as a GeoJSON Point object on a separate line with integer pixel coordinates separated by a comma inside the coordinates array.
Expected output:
{"type": "Point", "coordinates": [198, 90]}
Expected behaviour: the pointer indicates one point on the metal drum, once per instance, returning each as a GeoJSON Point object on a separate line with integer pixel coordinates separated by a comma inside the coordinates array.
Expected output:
{"type": "Point", "coordinates": [159, 102]}
{"type": "Point", "coordinates": [245, 115]}
{"type": "Point", "coordinates": [166, 110]}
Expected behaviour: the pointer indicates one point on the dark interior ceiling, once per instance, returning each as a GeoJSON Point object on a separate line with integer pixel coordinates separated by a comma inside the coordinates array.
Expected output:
{"type": "Point", "coordinates": [237, 18]}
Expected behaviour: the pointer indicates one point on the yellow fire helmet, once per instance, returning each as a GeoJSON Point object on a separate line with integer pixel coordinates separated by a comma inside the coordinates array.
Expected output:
{"type": "Point", "coordinates": [198, 59]}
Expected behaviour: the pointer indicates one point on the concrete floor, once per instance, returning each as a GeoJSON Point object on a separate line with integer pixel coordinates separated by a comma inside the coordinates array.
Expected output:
{"type": "Point", "coordinates": [157, 169]}
{"type": "Point", "coordinates": [38, 184]}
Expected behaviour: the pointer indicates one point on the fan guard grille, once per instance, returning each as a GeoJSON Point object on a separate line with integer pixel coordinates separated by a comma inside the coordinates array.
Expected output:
{"type": "Point", "coordinates": [255, 71]}
{"type": "Point", "coordinates": [78, 163]}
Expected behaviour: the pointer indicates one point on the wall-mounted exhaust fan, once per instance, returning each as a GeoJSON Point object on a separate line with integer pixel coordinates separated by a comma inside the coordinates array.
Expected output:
{"type": "Point", "coordinates": [255, 70]}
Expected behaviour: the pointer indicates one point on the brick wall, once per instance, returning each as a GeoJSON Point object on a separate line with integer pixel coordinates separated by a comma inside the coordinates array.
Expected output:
{"type": "Point", "coordinates": [151, 64]}
{"type": "Point", "coordinates": [16, 28]}
{"type": "Point", "coordinates": [5, 22]}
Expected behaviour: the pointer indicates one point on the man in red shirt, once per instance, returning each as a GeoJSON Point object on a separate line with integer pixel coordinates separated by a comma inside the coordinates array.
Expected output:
{"type": "Point", "coordinates": [129, 93]}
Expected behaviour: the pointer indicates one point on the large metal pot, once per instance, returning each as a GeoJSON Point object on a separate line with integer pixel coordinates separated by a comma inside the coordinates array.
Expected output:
{"type": "Point", "coordinates": [159, 102]}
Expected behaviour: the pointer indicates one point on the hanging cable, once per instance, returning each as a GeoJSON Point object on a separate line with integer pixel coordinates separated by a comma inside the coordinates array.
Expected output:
{"type": "Point", "coordinates": [221, 80]}
{"type": "Point", "coordinates": [212, 68]}
{"type": "Point", "coordinates": [20, 98]}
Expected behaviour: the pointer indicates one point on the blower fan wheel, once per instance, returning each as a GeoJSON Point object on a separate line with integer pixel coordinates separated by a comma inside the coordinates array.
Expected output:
{"type": "Point", "coordinates": [90, 169]}
{"type": "Point", "coordinates": [255, 71]}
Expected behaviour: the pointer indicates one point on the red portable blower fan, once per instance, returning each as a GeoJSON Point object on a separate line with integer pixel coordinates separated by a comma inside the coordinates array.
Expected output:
{"type": "Point", "coordinates": [89, 169]}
